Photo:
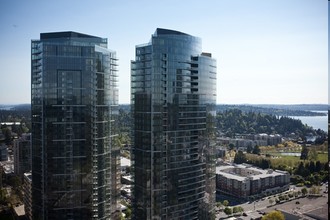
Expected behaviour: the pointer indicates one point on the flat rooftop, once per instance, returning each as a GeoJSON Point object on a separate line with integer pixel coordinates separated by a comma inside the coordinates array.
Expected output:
{"type": "Point", "coordinates": [247, 172]}
{"type": "Point", "coordinates": [65, 34]}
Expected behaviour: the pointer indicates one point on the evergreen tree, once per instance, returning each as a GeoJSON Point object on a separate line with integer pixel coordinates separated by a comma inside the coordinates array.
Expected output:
{"type": "Point", "coordinates": [301, 170]}
{"type": "Point", "coordinates": [231, 146]}
{"type": "Point", "coordinates": [265, 164]}
{"type": "Point", "coordinates": [312, 166]}
{"type": "Point", "coordinates": [318, 166]}
{"type": "Point", "coordinates": [256, 150]}
{"type": "Point", "coordinates": [304, 153]}
{"type": "Point", "coordinates": [239, 157]}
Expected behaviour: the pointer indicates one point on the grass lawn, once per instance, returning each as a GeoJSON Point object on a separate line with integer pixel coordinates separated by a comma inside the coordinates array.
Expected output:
{"type": "Point", "coordinates": [323, 157]}
{"type": "Point", "coordinates": [290, 161]}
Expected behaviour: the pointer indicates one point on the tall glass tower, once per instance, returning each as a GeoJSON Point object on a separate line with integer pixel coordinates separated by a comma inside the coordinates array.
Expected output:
{"type": "Point", "coordinates": [74, 99]}
{"type": "Point", "coordinates": [173, 97]}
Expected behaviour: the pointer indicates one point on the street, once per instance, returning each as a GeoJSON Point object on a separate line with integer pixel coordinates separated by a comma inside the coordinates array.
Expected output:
{"type": "Point", "coordinates": [306, 204]}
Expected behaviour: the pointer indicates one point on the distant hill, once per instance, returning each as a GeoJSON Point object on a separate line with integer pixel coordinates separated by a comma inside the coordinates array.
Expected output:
{"type": "Point", "coordinates": [301, 107]}
{"type": "Point", "coordinates": [22, 107]}
{"type": "Point", "coordinates": [279, 110]}
{"type": "Point", "coordinates": [16, 107]}
{"type": "Point", "coordinates": [235, 121]}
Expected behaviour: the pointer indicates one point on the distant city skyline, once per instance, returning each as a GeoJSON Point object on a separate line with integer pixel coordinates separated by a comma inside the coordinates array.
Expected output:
{"type": "Point", "coordinates": [268, 52]}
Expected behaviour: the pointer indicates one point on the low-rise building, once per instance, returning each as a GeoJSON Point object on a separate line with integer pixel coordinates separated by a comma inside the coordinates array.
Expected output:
{"type": "Point", "coordinates": [245, 181]}
{"type": "Point", "coordinates": [251, 140]}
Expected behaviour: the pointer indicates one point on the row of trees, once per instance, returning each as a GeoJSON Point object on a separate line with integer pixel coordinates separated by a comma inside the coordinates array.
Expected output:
{"type": "Point", "coordinates": [314, 190]}
{"type": "Point", "coordinates": [229, 210]}
{"type": "Point", "coordinates": [310, 173]}
{"type": "Point", "coordinates": [234, 210]}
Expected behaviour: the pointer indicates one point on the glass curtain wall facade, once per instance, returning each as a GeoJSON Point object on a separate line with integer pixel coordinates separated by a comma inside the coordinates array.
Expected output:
{"type": "Point", "coordinates": [74, 99]}
{"type": "Point", "coordinates": [173, 97]}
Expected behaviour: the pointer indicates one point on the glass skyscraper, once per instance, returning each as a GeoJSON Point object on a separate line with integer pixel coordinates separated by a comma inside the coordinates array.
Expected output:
{"type": "Point", "coordinates": [173, 97]}
{"type": "Point", "coordinates": [74, 99]}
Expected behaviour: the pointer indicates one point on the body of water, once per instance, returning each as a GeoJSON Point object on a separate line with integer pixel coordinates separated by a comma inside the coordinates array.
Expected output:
{"type": "Point", "coordinates": [290, 154]}
{"type": "Point", "coordinates": [317, 122]}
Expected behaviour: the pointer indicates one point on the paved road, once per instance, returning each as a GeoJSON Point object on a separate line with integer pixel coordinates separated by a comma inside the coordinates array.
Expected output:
{"type": "Point", "coordinates": [306, 204]}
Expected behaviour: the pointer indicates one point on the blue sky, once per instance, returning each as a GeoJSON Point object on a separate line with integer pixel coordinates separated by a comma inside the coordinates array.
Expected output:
{"type": "Point", "coordinates": [267, 51]}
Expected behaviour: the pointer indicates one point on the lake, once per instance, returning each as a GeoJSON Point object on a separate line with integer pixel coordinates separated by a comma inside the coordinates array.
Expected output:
{"type": "Point", "coordinates": [290, 154]}
{"type": "Point", "coordinates": [317, 122]}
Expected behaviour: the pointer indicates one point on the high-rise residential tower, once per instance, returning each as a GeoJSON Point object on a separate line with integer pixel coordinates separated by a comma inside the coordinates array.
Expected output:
{"type": "Point", "coordinates": [173, 96]}
{"type": "Point", "coordinates": [74, 98]}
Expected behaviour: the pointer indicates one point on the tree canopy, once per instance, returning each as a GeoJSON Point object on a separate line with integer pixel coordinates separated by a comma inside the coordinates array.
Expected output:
{"type": "Point", "coordinates": [239, 157]}
{"type": "Point", "coordinates": [273, 215]}
{"type": "Point", "coordinates": [304, 153]}
{"type": "Point", "coordinates": [234, 121]}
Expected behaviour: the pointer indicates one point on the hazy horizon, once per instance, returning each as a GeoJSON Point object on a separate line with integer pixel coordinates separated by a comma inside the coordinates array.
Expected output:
{"type": "Point", "coordinates": [9, 104]}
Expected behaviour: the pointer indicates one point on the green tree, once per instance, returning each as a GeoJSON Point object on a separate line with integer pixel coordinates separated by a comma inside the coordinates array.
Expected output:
{"type": "Point", "coordinates": [317, 178]}
{"type": "Point", "coordinates": [312, 167]}
{"type": "Point", "coordinates": [318, 166]}
{"type": "Point", "coordinates": [7, 133]}
{"type": "Point", "coordinates": [304, 191]}
{"type": "Point", "coordinates": [225, 203]}
{"type": "Point", "coordinates": [239, 157]}
{"type": "Point", "coordinates": [235, 210]}
{"type": "Point", "coordinates": [228, 211]}
{"type": "Point", "coordinates": [273, 215]}
{"type": "Point", "coordinates": [231, 146]}
{"type": "Point", "coordinates": [312, 154]}
{"type": "Point", "coordinates": [256, 150]}
{"type": "Point", "coordinates": [304, 153]}
{"type": "Point", "coordinates": [265, 164]}
{"type": "Point", "coordinates": [128, 213]}
{"type": "Point", "coordinates": [219, 205]}
{"type": "Point", "coordinates": [2, 195]}
{"type": "Point", "coordinates": [238, 209]}
{"type": "Point", "coordinates": [314, 190]}
{"type": "Point", "coordinates": [301, 170]}
{"type": "Point", "coordinates": [15, 182]}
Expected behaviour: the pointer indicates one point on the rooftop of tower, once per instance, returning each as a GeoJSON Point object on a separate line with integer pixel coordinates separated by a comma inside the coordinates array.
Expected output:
{"type": "Point", "coordinates": [65, 34]}
{"type": "Point", "coordinates": [161, 31]}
